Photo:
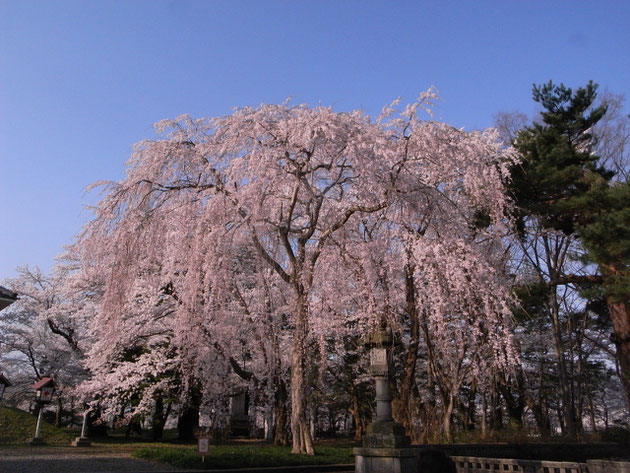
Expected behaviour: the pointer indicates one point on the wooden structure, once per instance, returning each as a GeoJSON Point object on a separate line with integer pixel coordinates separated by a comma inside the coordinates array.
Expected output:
{"type": "Point", "coordinates": [44, 391]}
{"type": "Point", "coordinates": [7, 297]}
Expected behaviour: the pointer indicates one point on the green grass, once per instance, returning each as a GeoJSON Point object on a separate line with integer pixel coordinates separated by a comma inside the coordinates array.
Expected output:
{"type": "Point", "coordinates": [244, 456]}
{"type": "Point", "coordinates": [17, 427]}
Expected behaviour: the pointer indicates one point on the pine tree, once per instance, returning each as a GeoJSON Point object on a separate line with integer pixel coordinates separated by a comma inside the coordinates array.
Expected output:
{"type": "Point", "coordinates": [560, 185]}
{"type": "Point", "coordinates": [558, 170]}
{"type": "Point", "coordinates": [606, 236]}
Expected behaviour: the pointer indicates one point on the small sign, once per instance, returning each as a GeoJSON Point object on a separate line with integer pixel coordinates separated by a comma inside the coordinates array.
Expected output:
{"type": "Point", "coordinates": [203, 445]}
{"type": "Point", "coordinates": [46, 395]}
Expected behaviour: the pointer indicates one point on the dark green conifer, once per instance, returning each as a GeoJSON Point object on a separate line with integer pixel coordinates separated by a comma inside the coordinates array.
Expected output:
{"type": "Point", "coordinates": [560, 183]}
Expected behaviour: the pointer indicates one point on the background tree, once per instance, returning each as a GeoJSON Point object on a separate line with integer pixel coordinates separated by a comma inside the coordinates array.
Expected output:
{"type": "Point", "coordinates": [45, 333]}
{"type": "Point", "coordinates": [613, 136]}
{"type": "Point", "coordinates": [562, 192]}
{"type": "Point", "coordinates": [606, 236]}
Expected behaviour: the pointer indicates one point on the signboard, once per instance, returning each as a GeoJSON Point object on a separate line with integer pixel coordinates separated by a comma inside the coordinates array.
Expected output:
{"type": "Point", "coordinates": [203, 445]}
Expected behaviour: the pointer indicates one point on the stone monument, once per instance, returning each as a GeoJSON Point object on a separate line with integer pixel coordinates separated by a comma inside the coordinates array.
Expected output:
{"type": "Point", "coordinates": [239, 418]}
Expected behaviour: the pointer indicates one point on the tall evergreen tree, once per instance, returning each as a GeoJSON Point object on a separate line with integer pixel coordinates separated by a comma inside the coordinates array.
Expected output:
{"type": "Point", "coordinates": [558, 169]}
{"type": "Point", "coordinates": [560, 185]}
{"type": "Point", "coordinates": [606, 236]}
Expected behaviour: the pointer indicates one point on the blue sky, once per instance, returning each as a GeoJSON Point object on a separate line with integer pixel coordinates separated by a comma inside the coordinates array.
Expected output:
{"type": "Point", "coordinates": [81, 81]}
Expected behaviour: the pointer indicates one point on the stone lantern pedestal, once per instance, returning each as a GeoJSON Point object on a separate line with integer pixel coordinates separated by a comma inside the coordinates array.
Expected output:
{"type": "Point", "coordinates": [385, 445]}
{"type": "Point", "coordinates": [83, 440]}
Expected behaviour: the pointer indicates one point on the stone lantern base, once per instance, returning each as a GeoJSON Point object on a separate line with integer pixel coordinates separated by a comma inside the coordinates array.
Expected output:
{"type": "Point", "coordinates": [385, 450]}
{"type": "Point", "coordinates": [81, 442]}
{"type": "Point", "coordinates": [385, 460]}
{"type": "Point", "coordinates": [385, 434]}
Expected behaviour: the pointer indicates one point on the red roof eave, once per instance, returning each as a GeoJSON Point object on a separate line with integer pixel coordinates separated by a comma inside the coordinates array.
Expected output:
{"type": "Point", "coordinates": [43, 382]}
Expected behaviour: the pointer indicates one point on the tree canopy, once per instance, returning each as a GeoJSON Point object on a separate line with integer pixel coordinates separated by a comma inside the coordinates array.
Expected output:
{"type": "Point", "coordinates": [251, 255]}
{"type": "Point", "coordinates": [309, 215]}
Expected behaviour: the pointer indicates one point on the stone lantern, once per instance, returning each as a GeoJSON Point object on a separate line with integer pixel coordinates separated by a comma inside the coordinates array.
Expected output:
{"type": "Point", "coordinates": [385, 445]}
{"type": "Point", "coordinates": [44, 391]}
{"type": "Point", "coordinates": [4, 383]}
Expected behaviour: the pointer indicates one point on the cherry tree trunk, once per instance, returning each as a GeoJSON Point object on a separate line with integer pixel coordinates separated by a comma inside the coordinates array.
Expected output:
{"type": "Point", "coordinates": [302, 440]}
{"type": "Point", "coordinates": [496, 411]}
{"type": "Point", "coordinates": [133, 427]}
{"type": "Point", "coordinates": [446, 420]}
{"type": "Point", "coordinates": [280, 413]}
{"type": "Point", "coordinates": [160, 415]}
{"type": "Point", "coordinates": [402, 408]}
{"type": "Point", "coordinates": [468, 408]}
{"type": "Point", "coordinates": [358, 420]}
{"type": "Point", "coordinates": [188, 420]}
{"type": "Point", "coordinates": [620, 318]}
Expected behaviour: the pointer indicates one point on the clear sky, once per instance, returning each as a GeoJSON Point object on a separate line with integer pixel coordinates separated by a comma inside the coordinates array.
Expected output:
{"type": "Point", "coordinates": [81, 81]}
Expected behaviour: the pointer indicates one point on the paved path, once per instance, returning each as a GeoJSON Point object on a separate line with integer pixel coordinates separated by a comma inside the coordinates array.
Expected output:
{"type": "Point", "coordinates": [73, 460]}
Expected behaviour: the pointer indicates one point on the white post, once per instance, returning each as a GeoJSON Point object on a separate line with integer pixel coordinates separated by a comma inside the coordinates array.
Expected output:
{"type": "Point", "coordinates": [84, 425]}
{"type": "Point", "coordinates": [39, 421]}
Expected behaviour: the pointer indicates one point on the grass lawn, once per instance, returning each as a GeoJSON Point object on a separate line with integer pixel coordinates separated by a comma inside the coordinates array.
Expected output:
{"type": "Point", "coordinates": [17, 427]}
{"type": "Point", "coordinates": [244, 456]}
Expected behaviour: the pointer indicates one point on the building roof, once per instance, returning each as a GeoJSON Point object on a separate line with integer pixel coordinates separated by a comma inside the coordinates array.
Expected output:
{"type": "Point", "coordinates": [6, 297]}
